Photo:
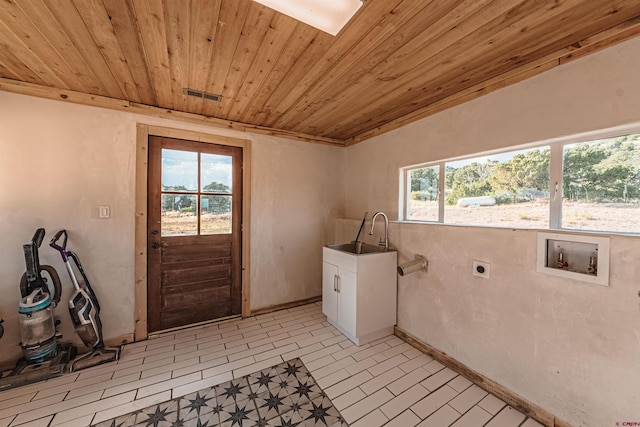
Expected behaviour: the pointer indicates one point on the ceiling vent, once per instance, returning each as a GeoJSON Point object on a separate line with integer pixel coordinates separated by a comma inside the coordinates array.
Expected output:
{"type": "Point", "coordinates": [204, 95]}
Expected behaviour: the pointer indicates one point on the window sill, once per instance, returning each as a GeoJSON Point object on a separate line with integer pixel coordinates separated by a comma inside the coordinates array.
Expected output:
{"type": "Point", "coordinates": [548, 230]}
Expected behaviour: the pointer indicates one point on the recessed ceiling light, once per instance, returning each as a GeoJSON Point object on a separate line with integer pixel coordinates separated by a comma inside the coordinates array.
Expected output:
{"type": "Point", "coordinates": [327, 15]}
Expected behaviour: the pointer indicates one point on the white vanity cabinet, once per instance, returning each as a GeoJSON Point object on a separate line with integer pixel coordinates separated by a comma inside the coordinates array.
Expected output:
{"type": "Point", "coordinates": [359, 293]}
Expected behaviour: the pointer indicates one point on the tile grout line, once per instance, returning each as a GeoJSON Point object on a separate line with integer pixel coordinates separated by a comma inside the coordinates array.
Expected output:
{"type": "Point", "coordinates": [316, 342]}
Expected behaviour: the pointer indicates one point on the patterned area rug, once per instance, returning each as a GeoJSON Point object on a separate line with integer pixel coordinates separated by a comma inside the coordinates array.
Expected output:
{"type": "Point", "coordinates": [283, 395]}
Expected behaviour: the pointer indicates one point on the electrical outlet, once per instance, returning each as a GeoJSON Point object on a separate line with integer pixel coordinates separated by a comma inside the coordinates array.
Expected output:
{"type": "Point", "coordinates": [481, 269]}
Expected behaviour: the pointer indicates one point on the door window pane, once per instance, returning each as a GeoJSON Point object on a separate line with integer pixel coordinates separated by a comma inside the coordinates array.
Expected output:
{"type": "Point", "coordinates": [216, 176]}
{"type": "Point", "coordinates": [215, 214]}
{"type": "Point", "coordinates": [179, 170]}
{"type": "Point", "coordinates": [601, 185]}
{"type": "Point", "coordinates": [505, 190]}
{"type": "Point", "coordinates": [422, 200]}
{"type": "Point", "coordinates": [179, 215]}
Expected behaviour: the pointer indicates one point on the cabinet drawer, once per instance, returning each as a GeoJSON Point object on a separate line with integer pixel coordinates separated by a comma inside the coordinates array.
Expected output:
{"type": "Point", "coordinates": [342, 259]}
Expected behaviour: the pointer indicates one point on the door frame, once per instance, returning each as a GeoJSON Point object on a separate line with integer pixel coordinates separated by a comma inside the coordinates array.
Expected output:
{"type": "Point", "coordinates": [141, 331]}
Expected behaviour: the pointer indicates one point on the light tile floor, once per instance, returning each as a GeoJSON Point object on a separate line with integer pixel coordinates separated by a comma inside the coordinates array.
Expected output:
{"type": "Point", "coordinates": [279, 396]}
{"type": "Point", "coordinates": [386, 382]}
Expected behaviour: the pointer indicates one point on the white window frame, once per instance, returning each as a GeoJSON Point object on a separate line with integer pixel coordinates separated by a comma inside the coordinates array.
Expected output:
{"type": "Point", "coordinates": [556, 147]}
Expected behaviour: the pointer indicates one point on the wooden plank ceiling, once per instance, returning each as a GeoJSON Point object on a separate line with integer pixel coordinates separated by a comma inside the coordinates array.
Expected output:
{"type": "Point", "coordinates": [395, 62]}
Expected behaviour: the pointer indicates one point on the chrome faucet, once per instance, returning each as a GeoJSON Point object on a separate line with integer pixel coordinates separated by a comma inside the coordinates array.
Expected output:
{"type": "Point", "coordinates": [384, 243]}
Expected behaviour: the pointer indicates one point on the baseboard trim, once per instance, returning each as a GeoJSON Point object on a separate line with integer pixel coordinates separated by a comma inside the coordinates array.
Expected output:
{"type": "Point", "coordinates": [483, 382]}
{"type": "Point", "coordinates": [291, 304]}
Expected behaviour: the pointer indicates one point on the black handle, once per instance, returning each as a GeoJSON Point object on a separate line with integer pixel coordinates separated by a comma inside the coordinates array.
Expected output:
{"type": "Point", "coordinates": [54, 242]}
{"type": "Point", "coordinates": [38, 237]}
{"type": "Point", "coordinates": [31, 257]}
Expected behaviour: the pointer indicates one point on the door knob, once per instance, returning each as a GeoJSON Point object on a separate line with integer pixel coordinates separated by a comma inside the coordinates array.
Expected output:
{"type": "Point", "coordinates": [156, 245]}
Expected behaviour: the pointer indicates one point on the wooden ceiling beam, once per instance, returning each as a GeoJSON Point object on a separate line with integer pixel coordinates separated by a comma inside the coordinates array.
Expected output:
{"type": "Point", "coordinates": [64, 95]}
{"type": "Point", "coordinates": [614, 35]}
{"type": "Point", "coordinates": [474, 92]}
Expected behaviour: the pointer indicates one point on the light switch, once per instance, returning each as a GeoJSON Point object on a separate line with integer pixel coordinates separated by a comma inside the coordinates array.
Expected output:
{"type": "Point", "coordinates": [105, 211]}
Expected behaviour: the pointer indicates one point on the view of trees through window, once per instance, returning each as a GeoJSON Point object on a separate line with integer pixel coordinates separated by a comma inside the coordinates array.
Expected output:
{"type": "Point", "coordinates": [424, 193]}
{"type": "Point", "coordinates": [601, 185]}
{"type": "Point", "coordinates": [186, 203]}
{"type": "Point", "coordinates": [600, 188]}
{"type": "Point", "coordinates": [179, 210]}
{"type": "Point", "coordinates": [196, 193]}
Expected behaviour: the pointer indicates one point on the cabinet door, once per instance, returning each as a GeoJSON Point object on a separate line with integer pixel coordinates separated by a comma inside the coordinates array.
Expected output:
{"type": "Point", "coordinates": [347, 295]}
{"type": "Point", "coordinates": [329, 295]}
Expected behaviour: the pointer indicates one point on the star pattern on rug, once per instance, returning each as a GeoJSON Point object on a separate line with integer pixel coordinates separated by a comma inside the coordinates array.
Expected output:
{"type": "Point", "coordinates": [238, 416]}
{"type": "Point", "coordinates": [233, 390]}
{"type": "Point", "coordinates": [292, 370]}
{"type": "Point", "coordinates": [197, 403]}
{"type": "Point", "coordinates": [273, 402]}
{"type": "Point", "coordinates": [289, 423]}
{"type": "Point", "coordinates": [265, 378]}
{"type": "Point", "coordinates": [303, 390]}
{"type": "Point", "coordinates": [285, 395]}
{"type": "Point", "coordinates": [155, 418]}
{"type": "Point", "coordinates": [319, 413]}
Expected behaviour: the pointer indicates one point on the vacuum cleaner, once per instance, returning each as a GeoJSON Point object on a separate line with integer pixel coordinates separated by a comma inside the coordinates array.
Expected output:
{"type": "Point", "coordinates": [43, 356]}
{"type": "Point", "coordinates": [85, 311]}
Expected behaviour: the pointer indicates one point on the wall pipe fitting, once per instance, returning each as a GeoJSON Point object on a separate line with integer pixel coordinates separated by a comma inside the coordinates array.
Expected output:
{"type": "Point", "coordinates": [418, 264]}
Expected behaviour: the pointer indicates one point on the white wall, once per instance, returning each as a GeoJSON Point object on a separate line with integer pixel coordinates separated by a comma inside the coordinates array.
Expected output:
{"type": "Point", "coordinates": [570, 347]}
{"type": "Point", "coordinates": [60, 161]}
{"type": "Point", "coordinates": [297, 192]}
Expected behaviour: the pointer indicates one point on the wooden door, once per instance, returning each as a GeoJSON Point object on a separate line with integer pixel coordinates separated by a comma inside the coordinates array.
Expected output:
{"type": "Point", "coordinates": [193, 232]}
